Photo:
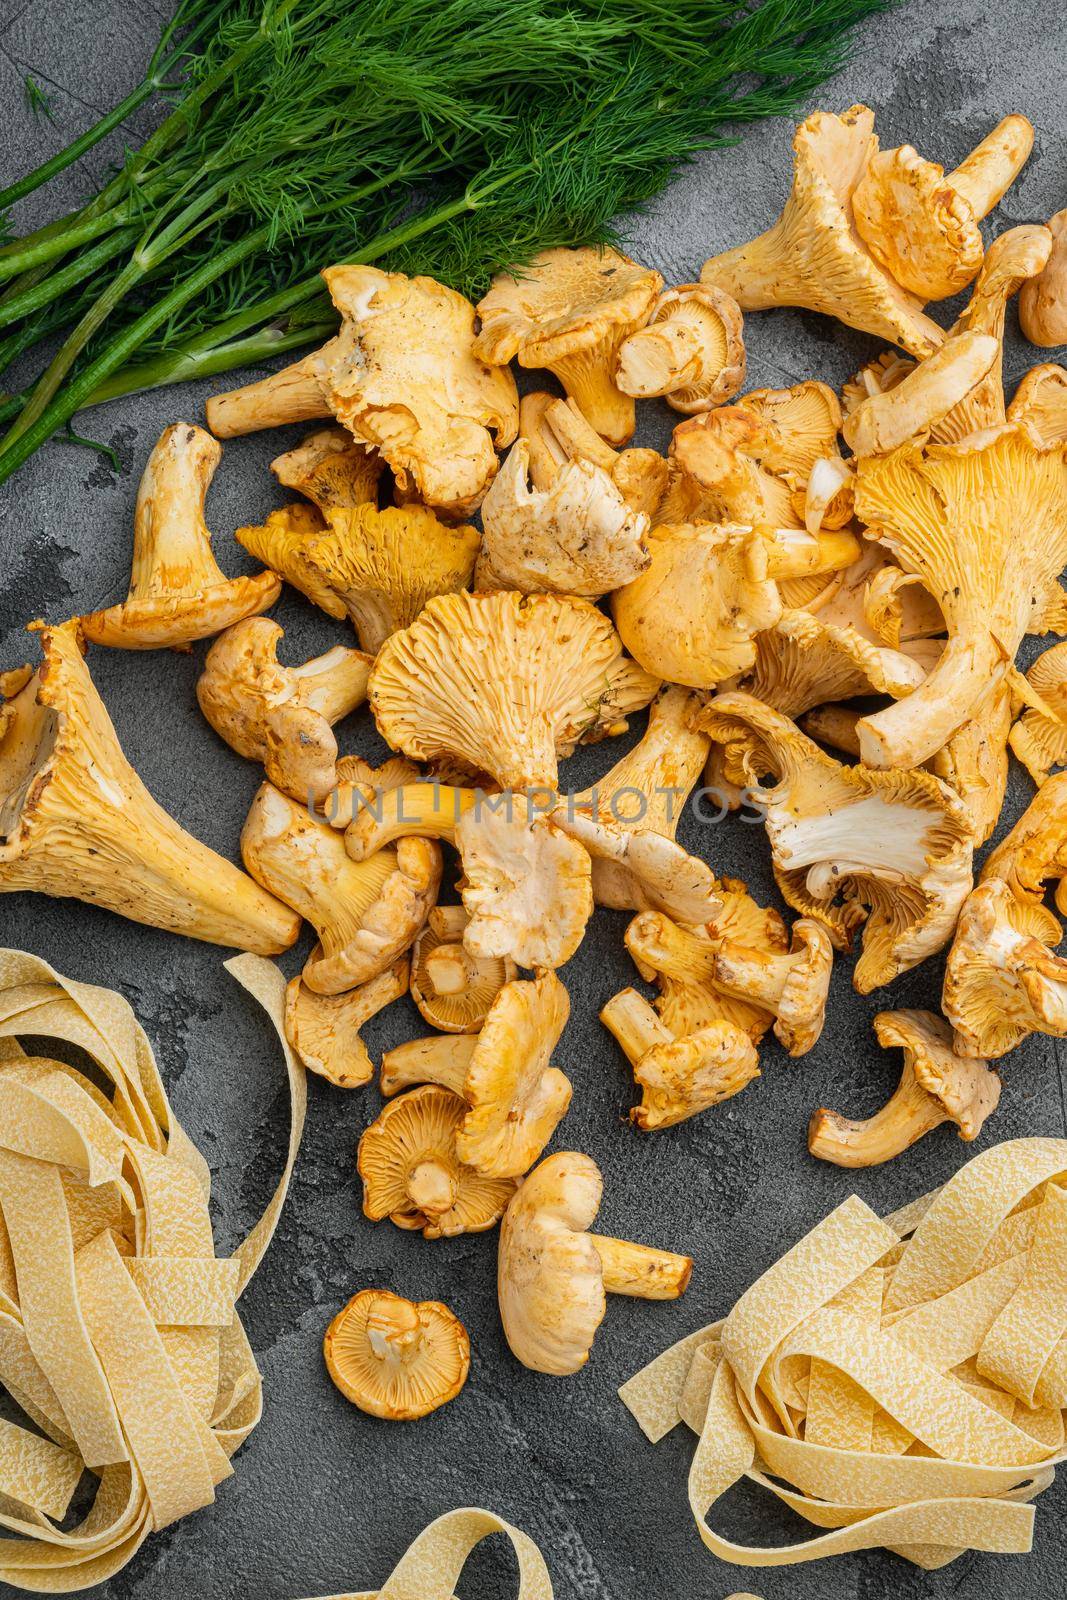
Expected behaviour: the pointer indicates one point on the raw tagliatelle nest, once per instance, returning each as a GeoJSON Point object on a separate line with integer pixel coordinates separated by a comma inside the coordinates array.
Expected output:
{"type": "Point", "coordinates": [429, 1569]}
{"type": "Point", "coordinates": [898, 1383]}
{"type": "Point", "coordinates": [118, 1334]}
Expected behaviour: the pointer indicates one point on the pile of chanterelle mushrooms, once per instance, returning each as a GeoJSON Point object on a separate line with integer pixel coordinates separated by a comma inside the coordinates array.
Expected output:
{"type": "Point", "coordinates": [760, 580]}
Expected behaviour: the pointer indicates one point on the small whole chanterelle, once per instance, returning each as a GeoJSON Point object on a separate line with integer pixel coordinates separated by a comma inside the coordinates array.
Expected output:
{"type": "Point", "coordinates": [177, 591]}
{"type": "Point", "coordinates": [281, 716]}
{"type": "Point", "coordinates": [678, 1077]}
{"type": "Point", "coordinates": [323, 1029]}
{"type": "Point", "coordinates": [412, 1172]}
{"type": "Point", "coordinates": [366, 915]}
{"type": "Point", "coordinates": [556, 432]}
{"type": "Point", "coordinates": [76, 820]}
{"type": "Point", "coordinates": [569, 311]}
{"type": "Point", "coordinates": [1035, 851]}
{"type": "Point", "coordinates": [395, 1359]}
{"type": "Point", "coordinates": [1003, 979]}
{"type": "Point", "coordinates": [515, 1099]}
{"type": "Point", "coordinates": [936, 1085]}
{"type": "Point", "coordinates": [332, 470]}
{"type": "Point", "coordinates": [452, 988]}
{"type": "Point", "coordinates": [553, 1275]}
{"type": "Point", "coordinates": [691, 350]}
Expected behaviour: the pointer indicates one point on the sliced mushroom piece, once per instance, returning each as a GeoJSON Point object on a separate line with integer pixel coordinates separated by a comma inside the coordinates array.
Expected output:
{"type": "Point", "coordinates": [921, 223]}
{"type": "Point", "coordinates": [396, 1359]}
{"type": "Point", "coordinates": [332, 470]}
{"type": "Point", "coordinates": [1038, 739]}
{"type": "Point", "coordinates": [324, 1029]}
{"type": "Point", "coordinates": [506, 683]}
{"type": "Point", "coordinates": [691, 350]}
{"type": "Point", "coordinates": [812, 256]}
{"type": "Point", "coordinates": [1002, 979]}
{"type": "Point", "coordinates": [366, 915]}
{"type": "Point", "coordinates": [576, 537]}
{"type": "Point", "coordinates": [452, 988]}
{"type": "Point", "coordinates": [793, 985]}
{"type": "Point", "coordinates": [281, 716]}
{"type": "Point", "coordinates": [555, 433]}
{"type": "Point", "coordinates": [569, 312]}
{"type": "Point", "coordinates": [77, 822]}
{"type": "Point", "coordinates": [515, 1099]}
{"type": "Point", "coordinates": [936, 1086]}
{"type": "Point", "coordinates": [177, 591]}
{"type": "Point", "coordinates": [678, 1077]}
{"type": "Point", "coordinates": [553, 1275]}
{"type": "Point", "coordinates": [1043, 301]}
{"type": "Point", "coordinates": [526, 886]}
{"type": "Point", "coordinates": [412, 1173]}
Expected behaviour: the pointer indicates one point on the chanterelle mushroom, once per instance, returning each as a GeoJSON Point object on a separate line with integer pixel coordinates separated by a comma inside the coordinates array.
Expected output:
{"type": "Point", "coordinates": [983, 523]}
{"type": "Point", "coordinates": [284, 543]}
{"type": "Point", "coordinates": [1041, 400]}
{"type": "Point", "coordinates": [324, 1029]}
{"type": "Point", "coordinates": [76, 820]}
{"type": "Point", "coordinates": [412, 1172]}
{"type": "Point", "coordinates": [292, 395]}
{"type": "Point", "coordinates": [385, 565]}
{"type": "Point", "coordinates": [505, 682]}
{"type": "Point", "coordinates": [281, 716]}
{"type": "Point", "coordinates": [1002, 980]}
{"type": "Point", "coordinates": [526, 886]}
{"type": "Point", "coordinates": [793, 985]}
{"type": "Point", "coordinates": [366, 915]}
{"type": "Point", "coordinates": [1036, 848]}
{"type": "Point", "coordinates": [678, 1077]}
{"type": "Point", "coordinates": [395, 1359]}
{"type": "Point", "coordinates": [921, 223]}
{"type": "Point", "coordinates": [803, 661]}
{"type": "Point", "coordinates": [452, 988]}
{"type": "Point", "coordinates": [691, 350]}
{"type": "Point", "coordinates": [553, 1275]}
{"type": "Point", "coordinates": [1043, 301]}
{"type": "Point", "coordinates": [936, 1086]}
{"type": "Point", "coordinates": [922, 396]}
{"type": "Point", "coordinates": [813, 256]}
{"type": "Point", "coordinates": [331, 469]}
{"type": "Point", "coordinates": [1040, 740]}
{"type": "Point", "coordinates": [848, 841]}
{"type": "Point", "coordinates": [577, 537]}
{"type": "Point", "coordinates": [570, 311]}
{"type": "Point", "coordinates": [515, 1099]}
{"type": "Point", "coordinates": [556, 432]}
{"type": "Point", "coordinates": [177, 591]}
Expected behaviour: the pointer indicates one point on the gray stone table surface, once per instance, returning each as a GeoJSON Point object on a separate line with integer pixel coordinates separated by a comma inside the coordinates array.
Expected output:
{"type": "Point", "coordinates": [323, 1497]}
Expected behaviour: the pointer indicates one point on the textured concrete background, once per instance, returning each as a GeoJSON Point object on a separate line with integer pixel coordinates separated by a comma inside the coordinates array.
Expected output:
{"type": "Point", "coordinates": [324, 1498]}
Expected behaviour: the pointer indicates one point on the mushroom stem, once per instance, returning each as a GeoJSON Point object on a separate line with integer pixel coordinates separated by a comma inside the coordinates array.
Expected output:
{"type": "Point", "coordinates": [795, 553]}
{"type": "Point", "coordinates": [451, 969]}
{"type": "Point", "coordinates": [630, 1019]}
{"type": "Point", "coordinates": [992, 166]}
{"type": "Point", "coordinates": [640, 1271]}
{"type": "Point", "coordinates": [425, 810]}
{"type": "Point", "coordinates": [668, 355]}
{"type": "Point", "coordinates": [587, 376]}
{"type": "Point", "coordinates": [439, 1059]}
{"type": "Point", "coordinates": [431, 1188]}
{"type": "Point", "coordinates": [908, 1114]}
{"type": "Point", "coordinates": [292, 395]}
{"type": "Point", "coordinates": [834, 725]}
{"type": "Point", "coordinates": [909, 731]}
{"type": "Point", "coordinates": [171, 544]}
{"type": "Point", "coordinates": [334, 684]}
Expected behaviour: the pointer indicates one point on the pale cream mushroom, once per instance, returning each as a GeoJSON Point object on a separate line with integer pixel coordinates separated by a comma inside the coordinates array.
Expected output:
{"type": "Point", "coordinates": [691, 350]}
{"type": "Point", "coordinates": [177, 591]}
{"type": "Point", "coordinates": [813, 256]}
{"type": "Point", "coordinates": [921, 223]}
{"type": "Point", "coordinates": [366, 914]}
{"type": "Point", "coordinates": [394, 1359]}
{"type": "Point", "coordinates": [452, 988]}
{"type": "Point", "coordinates": [853, 845]}
{"type": "Point", "coordinates": [1002, 979]}
{"type": "Point", "coordinates": [323, 1030]}
{"type": "Point", "coordinates": [281, 716]}
{"type": "Point", "coordinates": [577, 537]}
{"type": "Point", "coordinates": [569, 311]}
{"type": "Point", "coordinates": [678, 1077]}
{"type": "Point", "coordinates": [412, 1172]}
{"type": "Point", "coordinates": [556, 432]}
{"type": "Point", "coordinates": [553, 1275]}
{"type": "Point", "coordinates": [936, 1085]}
{"type": "Point", "coordinates": [1043, 301]}
{"type": "Point", "coordinates": [77, 822]}
{"type": "Point", "coordinates": [331, 469]}
{"type": "Point", "coordinates": [506, 683]}
{"type": "Point", "coordinates": [515, 1099]}
{"type": "Point", "coordinates": [526, 886]}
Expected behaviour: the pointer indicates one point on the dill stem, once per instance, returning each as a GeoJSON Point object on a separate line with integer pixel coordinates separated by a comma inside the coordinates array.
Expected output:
{"type": "Point", "coordinates": [56, 284]}
{"type": "Point", "coordinates": [187, 363]}
{"type": "Point", "coordinates": [22, 255]}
